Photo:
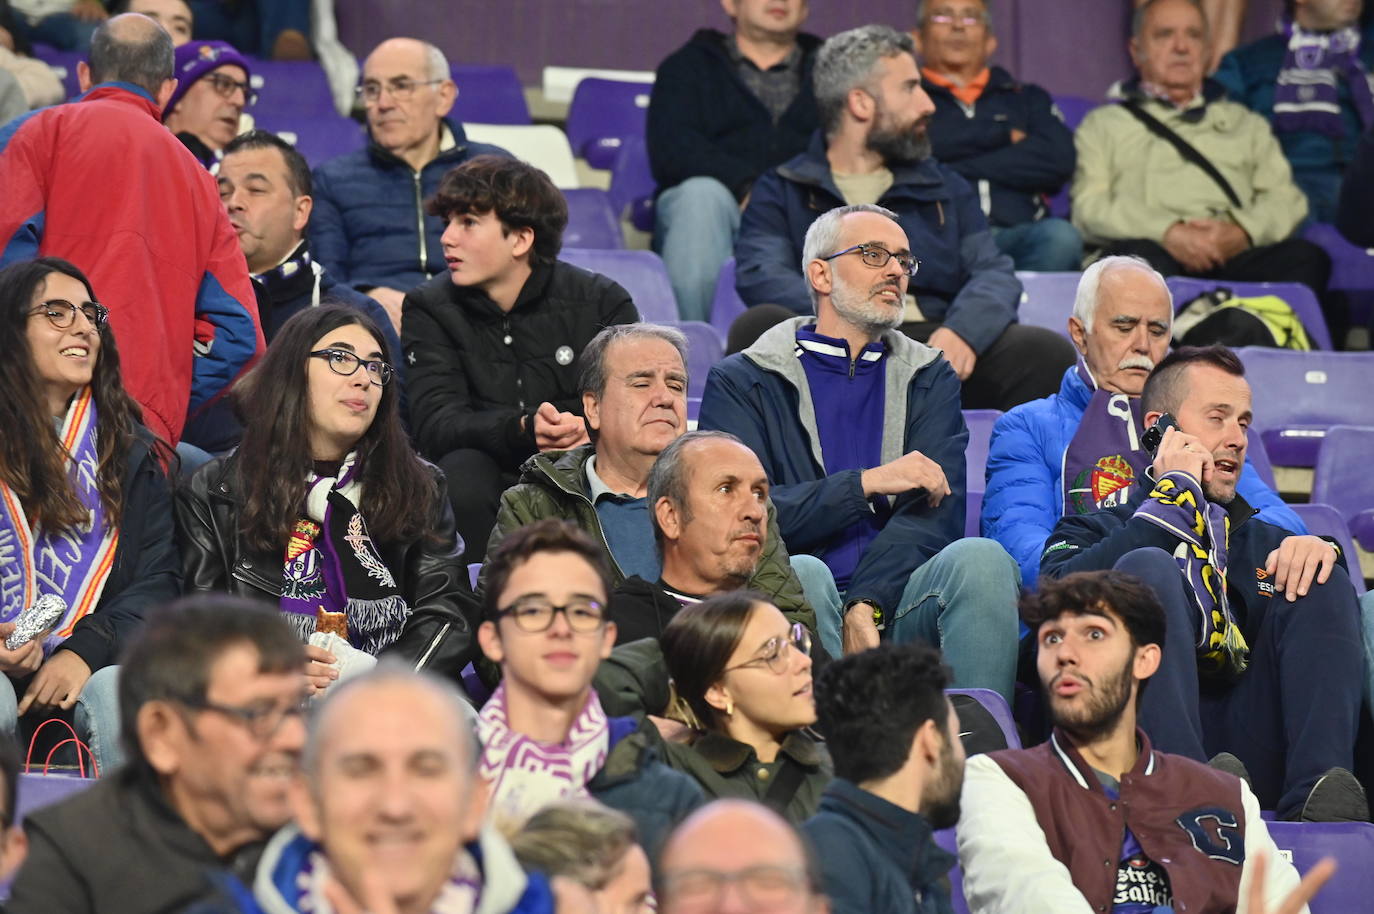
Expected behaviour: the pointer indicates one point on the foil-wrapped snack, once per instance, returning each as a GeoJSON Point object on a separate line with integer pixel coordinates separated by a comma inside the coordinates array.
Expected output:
{"type": "Point", "coordinates": [36, 619]}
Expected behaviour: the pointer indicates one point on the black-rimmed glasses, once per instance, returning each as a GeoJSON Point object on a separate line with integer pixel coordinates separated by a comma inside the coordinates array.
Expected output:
{"type": "Point", "coordinates": [876, 256]}
{"type": "Point", "coordinates": [763, 888]}
{"type": "Point", "coordinates": [402, 89]}
{"type": "Point", "coordinates": [261, 720]}
{"type": "Point", "coordinates": [776, 653]}
{"type": "Point", "coordinates": [225, 85]}
{"type": "Point", "coordinates": [343, 362]}
{"type": "Point", "coordinates": [62, 313]}
{"type": "Point", "coordinates": [536, 614]}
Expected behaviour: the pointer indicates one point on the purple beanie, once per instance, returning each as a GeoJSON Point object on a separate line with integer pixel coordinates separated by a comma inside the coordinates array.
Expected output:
{"type": "Point", "coordinates": [197, 58]}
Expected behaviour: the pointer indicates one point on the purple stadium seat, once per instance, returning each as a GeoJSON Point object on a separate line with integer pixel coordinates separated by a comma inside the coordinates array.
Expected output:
{"type": "Point", "coordinates": [1299, 395]}
{"type": "Point", "coordinates": [290, 89]}
{"type": "Point", "coordinates": [592, 222]}
{"type": "Point", "coordinates": [39, 790]}
{"type": "Point", "coordinates": [641, 273]}
{"type": "Point", "coordinates": [489, 95]}
{"type": "Point", "coordinates": [705, 347]}
{"type": "Point", "coordinates": [980, 423]}
{"type": "Point", "coordinates": [973, 514]}
{"type": "Point", "coordinates": [64, 62]}
{"type": "Point", "coordinates": [319, 139]}
{"type": "Point", "coordinates": [726, 305]}
{"type": "Point", "coordinates": [1351, 843]}
{"type": "Point", "coordinates": [1301, 299]}
{"type": "Point", "coordinates": [1324, 520]}
{"type": "Point", "coordinates": [997, 706]}
{"type": "Point", "coordinates": [603, 112]}
{"type": "Point", "coordinates": [473, 570]}
{"type": "Point", "coordinates": [1352, 268]}
{"type": "Point", "coordinates": [1073, 108]}
{"type": "Point", "coordinates": [1047, 299]}
{"type": "Point", "coordinates": [1342, 480]}
{"type": "Point", "coordinates": [947, 840]}
{"type": "Point", "coordinates": [632, 183]}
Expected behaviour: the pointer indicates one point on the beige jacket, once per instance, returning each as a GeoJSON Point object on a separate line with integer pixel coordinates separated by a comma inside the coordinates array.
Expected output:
{"type": "Point", "coordinates": [38, 80]}
{"type": "Point", "coordinates": [1132, 184]}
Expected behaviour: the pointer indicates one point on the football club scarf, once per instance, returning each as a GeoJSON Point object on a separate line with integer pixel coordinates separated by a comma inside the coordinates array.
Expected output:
{"type": "Point", "coordinates": [1104, 460]}
{"type": "Point", "coordinates": [1307, 93]}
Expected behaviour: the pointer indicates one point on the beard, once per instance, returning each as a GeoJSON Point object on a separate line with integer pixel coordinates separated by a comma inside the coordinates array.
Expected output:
{"type": "Point", "coordinates": [1106, 702]}
{"type": "Point", "coordinates": [900, 144]}
{"type": "Point", "coordinates": [860, 311]}
{"type": "Point", "coordinates": [940, 798]}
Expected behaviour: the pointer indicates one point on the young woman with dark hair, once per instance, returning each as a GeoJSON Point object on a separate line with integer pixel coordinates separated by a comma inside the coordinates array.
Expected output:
{"type": "Point", "coordinates": [85, 511]}
{"type": "Point", "coordinates": [325, 510]}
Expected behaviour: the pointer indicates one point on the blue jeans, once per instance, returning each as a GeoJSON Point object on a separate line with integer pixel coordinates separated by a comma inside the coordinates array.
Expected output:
{"type": "Point", "coordinates": [963, 601]}
{"type": "Point", "coordinates": [695, 224]}
{"type": "Point", "coordinates": [818, 586]}
{"type": "Point", "coordinates": [95, 718]}
{"type": "Point", "coordinates": [1047, 246]}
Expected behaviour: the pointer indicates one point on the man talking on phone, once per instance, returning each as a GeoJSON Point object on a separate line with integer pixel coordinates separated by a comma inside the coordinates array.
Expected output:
{"type": "Point", "coordinates": [1262, 657]}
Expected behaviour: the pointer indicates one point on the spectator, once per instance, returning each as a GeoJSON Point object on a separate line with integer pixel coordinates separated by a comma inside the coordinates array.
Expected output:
{"type": "Point", "coordinates": [633, 379]}
{"type": "Point", "coordinates": [24, 82]}
{"type": "Point", "coordinates": [899, 765]}
{"type": "Point", "coordinates": [1039, 824]}
{"type": "Point", "coordinates": [212, 91]}
{"type": "Point", "coordinates": [369, 225]}
{"type": "Point", "coordinates": [544, 733]}
{"type": "Point", "coordinates": [326, 477]}
{"type": "Point", "coordinates": [65, 24]}
{"type": "Point", "coordinates": [1226, 18]}
{"type": "Point", "coordinates": [210, 694]}
{"type": "Point", "coordinates": [14, 845]}
{"type": "Point", "coordinates": [139, 217]}
{"type": "Point", "coordinates": [724, 109]}
{"type": "Point", "coordinates": [1079, 451]}
{"type": "Point", "coordinates": [491, 344]}
{"type": "Point", "coordinates": [173, 15]}
{"type": "Point", "coordinates": [818, 400]}
{"type": "Point", "coordinates": [1267, 668]}
{"type": "Point", "coordinates": [1311, 82]}
{"type": "Point", "coordinates": [417, 755]}
{"type": "Point", "coordinates": [275, 29]}
{"type": "Point", "coordinates": [874, 148]}
{"type": "Point", "coordinates": [1004, 137]}
{"type": "Point", "coordinates": [1136, 193]}
{"type": "Point", "coordinates": [596, 847]}
{"type": "Point", "coordinates": [745, 849]}
{"type": "Point", "coordinates": [101, 549]}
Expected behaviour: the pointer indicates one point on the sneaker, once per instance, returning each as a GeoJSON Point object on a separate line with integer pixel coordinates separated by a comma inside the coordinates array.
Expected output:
{"type": "Point", "coordinates": [1336, 797]}
{"type": "Point", "coordinates": [1225, 761]}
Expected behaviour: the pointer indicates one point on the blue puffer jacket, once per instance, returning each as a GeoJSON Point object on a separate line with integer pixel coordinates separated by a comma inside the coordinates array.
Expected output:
{"type": "Point", "coordinates": [369, 205]}
{"type": "Point", "coordinates": [1024, 497]}
{"type": "Point", "coordinates": [636, 781]}
{"type": "Point", "coordinates": [965, 282]}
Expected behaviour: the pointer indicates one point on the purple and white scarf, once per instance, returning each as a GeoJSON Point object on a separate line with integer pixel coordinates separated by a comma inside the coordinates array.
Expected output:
{"type": "Point", "coordinates": [1104, 460]}
{"type": "Point", "coordinates": [459, 895]}
{"type": "Point", "coordinates": [1307, 94]}
{"type": "Point", "coordinates": [527, 775]}
{"type": "Point", "coordinates": [71, 564]}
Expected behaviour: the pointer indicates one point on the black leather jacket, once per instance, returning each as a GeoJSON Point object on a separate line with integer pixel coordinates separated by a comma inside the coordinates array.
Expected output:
{"type": "Point", "coordinates": [440, 634]}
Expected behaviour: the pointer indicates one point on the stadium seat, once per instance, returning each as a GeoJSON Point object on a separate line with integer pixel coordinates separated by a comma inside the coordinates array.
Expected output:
{"type": "Point", "coordinates": [1300, 298]}
{"type": "Point", "coordinates": [64, 62]}
{"type": "Point", "coordinates": [1352, 269]}
{"type": "Point", "coordinates": [289, 90]}
{"type": "Point", "coordinates": [560, 83]}
{"type": "Point", "coordinates": [726, 305]}
{"type": "Point", "coordinates": [542, 145]}
{"type": "Point", "coordinates": [1324, 520]}
{"type": "Point", "coordinates": [1073, 108]}
{"type": "Point", "coordinates": [1351, 843]}
{"type": "Point", "coordinates": [591, 220]}
{"type": "Point", "coordinates": [705, 347]}
{"type": "Point", "coordinates": [1341, 479]}
{"type": "Point", "coordinates": [39, 790]}
{"type": "Point", "coordinates": [632, 184]}
{"type": "Point", "coordinates": [473, 570]}
{"type": "Point", "coordinates": [980, 423]}
{"type": "Point", "coordinates": [603, 112]}
{"type": "Point", "coordinates": [1299, 395]}
{"type": "Point", "coordinates": [319, 139]}
{"type": "Point", "coordinates": [997, 706]}
{"type": "Point", "coordinates": [1047, 299]}
{"type": "Point", "coordinates": [947, 840]}
{"type": "Point", "coordinates": [641, 273]}
{"type": "Point", "coordinates": [488, 95]}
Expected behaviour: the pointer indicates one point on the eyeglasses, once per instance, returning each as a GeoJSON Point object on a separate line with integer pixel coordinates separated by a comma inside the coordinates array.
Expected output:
{"type": "Point", "coordinates": [62, 313]}
{"type": "Point", "coordinates": [343, 362]}
{"type": "Point", "coordinates": [967, 20]}
{"type": "Point", "coordinates": [776, 653]}
{"type": "Point", "coordinates": [876, 256]}
{"type": "Point", "coordinates": [225, 86]}
{"type": "Point", "coordinates": [763, 888]}
{"type": "Point", "coordinates": [402, 89]}
{"type": "Point", "coordinates": [535, 614]}
{"type": "Point", "coordinates": [262, 720]}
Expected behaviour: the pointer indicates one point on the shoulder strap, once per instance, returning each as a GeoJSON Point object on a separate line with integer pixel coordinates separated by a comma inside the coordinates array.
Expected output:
{"type": "Point", "coordinates": [1185, 149]}
{"type": "Point", "coordinates": [784, 786]}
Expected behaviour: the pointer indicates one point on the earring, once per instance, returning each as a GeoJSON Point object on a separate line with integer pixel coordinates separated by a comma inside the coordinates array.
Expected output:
{"type": "Point", "coordinates": [729, 707]}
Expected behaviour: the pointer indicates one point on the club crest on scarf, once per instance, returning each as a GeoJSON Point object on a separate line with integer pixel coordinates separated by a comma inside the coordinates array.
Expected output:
{"type": "Point", "coordinates": [1105, 484]}
{"type": "Point", "coordinates": [1104, 459]}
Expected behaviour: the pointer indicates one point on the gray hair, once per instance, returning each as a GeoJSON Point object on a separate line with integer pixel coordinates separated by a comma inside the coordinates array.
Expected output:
{"type": "Point", "coordinates": [1085, 299]}
{"type": "Point", "coordinates": [438, 63]}
{"type": "Point", "coordinates": [921, 14]}
{"type": "Point", "coordinates": [668, 477]}
{"type": "Point", "coordinates": [134, 49]}
{"type": "Point", "coordinates": [576, 838]}
{"type": "Point", "coordinates": [1143, 10]}
{"type": "Point", "coordinates": [824, 235]}
{"type": "Point", "coordinates": [591, 365]}
{"type": "Point", "coordinates": [846, 61]}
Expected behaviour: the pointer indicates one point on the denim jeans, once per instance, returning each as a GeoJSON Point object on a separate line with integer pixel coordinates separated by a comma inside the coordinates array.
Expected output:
{"type": "Point", "coordinates": [695, 224]}
{"type": "Point", "coordinates": [1047, 246]}
{"type": "Point", "coordinates": [95, 719]}
{"type": "Point", "coordinates": [962, 600]}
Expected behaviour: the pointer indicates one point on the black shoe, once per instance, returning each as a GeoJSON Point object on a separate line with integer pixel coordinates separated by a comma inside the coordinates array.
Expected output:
{"type": "Point", "coordinates": [1225, 761]}
{"type": "Point", "coordinates": [1336, 797]}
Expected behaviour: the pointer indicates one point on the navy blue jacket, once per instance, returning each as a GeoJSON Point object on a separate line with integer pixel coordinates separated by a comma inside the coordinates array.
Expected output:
{"type": "Point", "coordinates": [876, 857]}
{"type": "Point", "coordinates": [636, 781]}
{"type": "Point", "coordinates": [369, 205]}
{"type": "Point", "coordinates": [762, 396]}
{"type": "Point", "coordinates": [965, 281]}
{"type": "Point", "coordinates": [1012, 179]}
{"type": "Point", "coordinates": [704, 121]}
{"type": "Point", "coordinates": [1357, 195]}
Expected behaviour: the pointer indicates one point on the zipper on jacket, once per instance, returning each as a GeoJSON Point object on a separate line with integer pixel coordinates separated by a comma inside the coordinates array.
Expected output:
{"type": "Point", "coordinates": [420, 224]}
{"type": "Point", "coordinates": [600, 529]}
{"type": "Point", "coordinates": [433, 646]}
{"type": "Point", "coordinates": [519, 381]}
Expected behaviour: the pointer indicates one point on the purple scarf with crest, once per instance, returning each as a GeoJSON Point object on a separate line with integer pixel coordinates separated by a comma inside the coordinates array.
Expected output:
{"type": "Point", "coordinates": [1307, 96]}
{"type": "Point", "coordinates": [1104, 460]}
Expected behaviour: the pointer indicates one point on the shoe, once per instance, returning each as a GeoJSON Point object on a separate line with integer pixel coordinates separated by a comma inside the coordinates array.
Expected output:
{"type": "Point", "coordinates": [1336, 797]}
{"type": "Point", "coordinates": [1225, 761]}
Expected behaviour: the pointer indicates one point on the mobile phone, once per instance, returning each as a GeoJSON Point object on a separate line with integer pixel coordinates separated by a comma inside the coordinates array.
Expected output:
{"type": "Point", "coordinates": [1155, 433]}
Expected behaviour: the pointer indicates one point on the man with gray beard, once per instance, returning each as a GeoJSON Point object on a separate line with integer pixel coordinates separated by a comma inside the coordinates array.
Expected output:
{"type": "Point", "coordinates": [859, 430]}
{"type": "Point", "coordinates": [873, 148]}
{"type": "Point", "coordinates": [1079, 451]}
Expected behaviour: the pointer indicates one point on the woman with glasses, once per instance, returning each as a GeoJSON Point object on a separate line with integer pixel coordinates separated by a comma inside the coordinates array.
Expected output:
{"type": "Point", "coordinates": [325, 510]}
{"type": "Point", "coordinates": [86, 539]}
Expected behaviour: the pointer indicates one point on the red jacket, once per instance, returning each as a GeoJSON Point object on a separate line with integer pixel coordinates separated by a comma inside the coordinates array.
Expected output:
{"type": "Point", "coordinates": [103, 184]}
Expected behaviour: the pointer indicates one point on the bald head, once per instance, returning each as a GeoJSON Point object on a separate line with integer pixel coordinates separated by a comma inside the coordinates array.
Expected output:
{"type": "Point", "coordinates": [134, 49]}
{"type": "Point", "coordinates": [408, 51]}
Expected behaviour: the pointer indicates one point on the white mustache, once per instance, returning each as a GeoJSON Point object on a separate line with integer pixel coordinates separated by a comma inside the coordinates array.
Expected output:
{"type": "Point", "coordinates": [1136, 361]}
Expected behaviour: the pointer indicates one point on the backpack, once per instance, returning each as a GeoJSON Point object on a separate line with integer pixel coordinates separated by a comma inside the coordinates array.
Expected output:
{"type": "Point", "coordinates": [1220, 317]}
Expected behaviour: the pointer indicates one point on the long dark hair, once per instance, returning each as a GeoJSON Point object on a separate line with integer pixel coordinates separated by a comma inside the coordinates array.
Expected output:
{"type": "Point", "coordinates": [32, 460]}
{"type": "Point", "coordinates": [697, 644]}
{"type": "Point", "coordinates": [274, 458]}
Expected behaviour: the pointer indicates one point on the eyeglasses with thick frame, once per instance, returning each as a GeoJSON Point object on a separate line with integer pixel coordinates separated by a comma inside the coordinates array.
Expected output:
{"type": "Point", "coordinates": [763, 888]}
{"type": "Point", "coordinates": [62, 313]}
{"type": "Point", "coordinates": [878, 257]}
{"type": "Point", "coordinates": [262, 721]}
{"type": "Point", "coordinates": [402, 89]}
{"type": "Point", "coordinates": [343, 362]}
{"type": "Point", "coordinates": [776, 653]}
{"type": "Point", "coordinates": [536, 614]}
{"type": "Point", "coordinates": [225, 85]}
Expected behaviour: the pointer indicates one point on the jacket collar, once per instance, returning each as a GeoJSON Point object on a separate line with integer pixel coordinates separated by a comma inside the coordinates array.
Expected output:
{"type": "Point", "coordinates": [921, 179]}
{"type": "Point", "coordinates": [904, 838]}
{"type": "Point", "coordinates": [714, 41]}
{"type": "Point", "coordinates": [999, 80]}
{"type": "Point", "coordinates": [1072, 388]}
{"type": "Point", "coordinates": [121, 91]}
{"type": "Point", "coordinates": [534, 288]}
{"type": "Point", "coordinates": [453, 145]}
{"type": "Point", "coordinates": [1064, 750]}
{"type": "Point", "coordinates": [566, 470]}
{"type": "Point", "coordinates": [727, 755]}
